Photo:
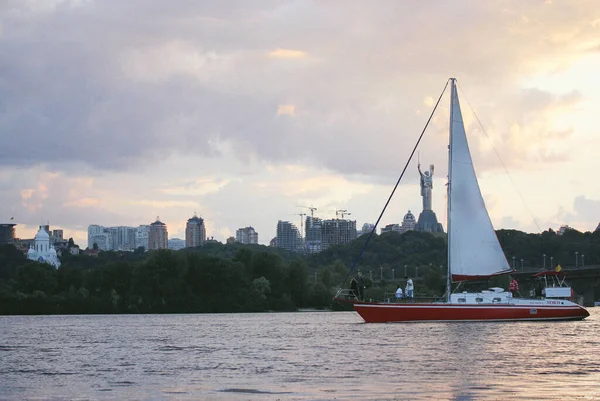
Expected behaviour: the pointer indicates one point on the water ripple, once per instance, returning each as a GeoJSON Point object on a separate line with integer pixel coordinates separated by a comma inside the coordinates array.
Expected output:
{"type": "Point", "coordinates": [301, 356]}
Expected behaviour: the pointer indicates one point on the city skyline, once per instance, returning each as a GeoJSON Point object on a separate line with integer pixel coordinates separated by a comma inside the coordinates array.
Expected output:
{"type": "Point", "coordinates": [112, 116]}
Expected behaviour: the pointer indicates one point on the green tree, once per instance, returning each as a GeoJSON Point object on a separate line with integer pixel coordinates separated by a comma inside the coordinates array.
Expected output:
{"type": "Point", "coordinates": [297, 283]}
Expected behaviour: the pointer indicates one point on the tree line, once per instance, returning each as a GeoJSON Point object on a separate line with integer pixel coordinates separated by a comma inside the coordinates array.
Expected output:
{"type": "Point", "coordinates": [219, 278]}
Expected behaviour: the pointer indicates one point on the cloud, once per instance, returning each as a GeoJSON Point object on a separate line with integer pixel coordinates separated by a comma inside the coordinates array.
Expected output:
{"type": "Point", "coordinates": [87, 82]}
{"type": "Point", "coordinates": [583, 215]}
{"type": "Point", "coordinates": [83, 202]}
{"type": "Point", "coordinates": [287, 53]}
{"type": "Point", "coordinates": [509, 222]}
{"type": "Point", "coordinates": [286, 110]}
{"type": "Point", "coordinates": [143, 108]}
{"type": "Point", "coordinates": [587, 209]}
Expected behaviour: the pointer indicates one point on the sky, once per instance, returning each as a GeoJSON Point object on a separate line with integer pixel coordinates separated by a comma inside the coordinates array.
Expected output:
{"type": "Point", "coordinates": [118, 112]}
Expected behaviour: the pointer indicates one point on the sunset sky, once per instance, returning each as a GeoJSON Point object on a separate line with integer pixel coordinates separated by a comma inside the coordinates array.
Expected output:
{"type": "Point", "coordinates": [115, 112]}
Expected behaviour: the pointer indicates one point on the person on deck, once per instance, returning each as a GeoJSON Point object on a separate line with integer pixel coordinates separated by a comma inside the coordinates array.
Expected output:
{"type": "Point", "coordinates": [409, 287]}
{"type": "Point", "coordinates": [361, 287]}
{"type": "Point", "coordinates": [398, 293]}
{"type": "Point", "coordinates": [513, 287]}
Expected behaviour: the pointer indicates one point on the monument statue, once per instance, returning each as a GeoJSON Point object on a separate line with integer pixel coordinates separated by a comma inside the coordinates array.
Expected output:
{"type": "Point", "coordinates": [426, 186]}
{"type": "Point", "coordinates": [427, 219]}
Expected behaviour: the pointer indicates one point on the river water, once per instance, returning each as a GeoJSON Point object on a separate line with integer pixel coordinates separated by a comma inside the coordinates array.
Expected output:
{"type": "Point", "coordinates": [295, 356]}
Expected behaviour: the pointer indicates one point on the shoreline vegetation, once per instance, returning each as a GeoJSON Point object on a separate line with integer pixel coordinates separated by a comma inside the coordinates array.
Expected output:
{"type": "Point", "coordinates": [231, 278]}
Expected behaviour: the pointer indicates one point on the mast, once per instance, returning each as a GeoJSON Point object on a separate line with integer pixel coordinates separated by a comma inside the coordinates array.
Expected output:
{"type": "Point", "coordinates": [449, 202]}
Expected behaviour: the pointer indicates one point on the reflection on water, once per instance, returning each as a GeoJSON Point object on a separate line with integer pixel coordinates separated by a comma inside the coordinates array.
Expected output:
{"type": "Point", "coordinates": [295, 356]}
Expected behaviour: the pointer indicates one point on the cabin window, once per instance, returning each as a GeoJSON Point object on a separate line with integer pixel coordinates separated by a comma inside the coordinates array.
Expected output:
{"type": "Point", "coordinates": [497, 299]}
{"type": "Point", "coordinates": [462, 300]}
{"type": "Point", "coordinates": [478, 299]}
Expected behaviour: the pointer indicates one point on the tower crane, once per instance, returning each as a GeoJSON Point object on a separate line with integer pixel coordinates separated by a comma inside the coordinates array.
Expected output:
{"type": "Point", "coordinates": [342, 212]}
{"type": "Point", "coordinates": [302, 215]}
{"type": "Point", "coordinates": [312, 209]}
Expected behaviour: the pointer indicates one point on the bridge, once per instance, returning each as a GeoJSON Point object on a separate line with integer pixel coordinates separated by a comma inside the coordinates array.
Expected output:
{"type": "Point", "coordinates": [585, 281]}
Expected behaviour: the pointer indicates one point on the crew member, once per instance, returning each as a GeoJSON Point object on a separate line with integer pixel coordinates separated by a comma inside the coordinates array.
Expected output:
{"type": "Point", "coordinates": [409, 287]}
{"type": "Point", "coordinates": [398, 292]}
{"type": "Point", "coordinates": [361, 287]}
{"type": "Point", "coordinates": [513, 287]}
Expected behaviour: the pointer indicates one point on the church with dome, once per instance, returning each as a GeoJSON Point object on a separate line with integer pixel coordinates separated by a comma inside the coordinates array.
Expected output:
{"type": "Point", "coordinates": [42, 251]}
{"type": "Point", "coordinates": [408, 224]}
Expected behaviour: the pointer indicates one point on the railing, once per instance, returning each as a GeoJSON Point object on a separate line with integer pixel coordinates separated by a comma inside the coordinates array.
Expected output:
{"type": "Point", "coordinates": [346, 294]}
{"type": "Point", "coordinates": [351, 295]}
{"type": "Point", "coordinates": [391, 298]}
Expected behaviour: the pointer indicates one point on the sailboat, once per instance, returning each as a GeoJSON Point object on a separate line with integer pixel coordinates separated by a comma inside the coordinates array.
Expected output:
{"type": "Point", "coordinates": [474, 253]}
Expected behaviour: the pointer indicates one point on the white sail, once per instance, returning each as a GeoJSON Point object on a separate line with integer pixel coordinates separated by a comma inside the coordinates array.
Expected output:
{"type": "Point", "coordinates": [474, 250]}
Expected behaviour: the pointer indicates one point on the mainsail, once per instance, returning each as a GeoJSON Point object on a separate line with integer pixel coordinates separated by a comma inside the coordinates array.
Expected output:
{"type": "Point", "coordinates": [474, 250]}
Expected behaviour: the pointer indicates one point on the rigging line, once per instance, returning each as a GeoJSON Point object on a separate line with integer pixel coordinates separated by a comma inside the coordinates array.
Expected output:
{"type": "Point", "coordinates": [396, 186]}
{"type": "Point", "coordinates": [500, 159]}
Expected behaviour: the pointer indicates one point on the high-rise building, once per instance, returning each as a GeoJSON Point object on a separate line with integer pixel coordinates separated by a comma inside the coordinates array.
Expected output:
{"type": "Point", "coordinates": [288, 236]}
{"type": "Point", "coordinates": [158, 236]}
{"type": "Point", "coordinates": [123, 238]}
{"type": "Point", "coordinates": [112, 237]}
{"type": "Point", "coordinates": [141, 236]}
{"type": "Point", "coordinates": [246, 235]}
{"type": "Point", "coordinates": [313, 240]}
{"type": "Point", "coordinates": [120, 238]}
{"type": "Point", "coordinates": [176, 244]}
{"type": "Point", "coordinates": [57, 236]}
{"type": "Point", "coordinates": [7, 233]}
{"type": "Point", "coordinates": [337, 231]}
{"type": "Point", "coordinates": [230, 240]}
{"type": "Point", "coordinates": [195, 232]}
{"type": "Point", "coordinates": [131, 233]}
{"type": "Point", "coordinates": [94, 230]}
{"type": "Point", "coordinates": [102, 241]}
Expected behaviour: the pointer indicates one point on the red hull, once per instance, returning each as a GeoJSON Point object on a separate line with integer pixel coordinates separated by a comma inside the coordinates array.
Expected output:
{"type": "Point", "coordinates": [415, 312]}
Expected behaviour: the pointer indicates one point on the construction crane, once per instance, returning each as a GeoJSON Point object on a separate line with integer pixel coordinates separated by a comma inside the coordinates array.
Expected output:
{"type": "Point", "coordinates": [341, 212]}
{"type": "Point", "coordinates": [301, 222]}
{"type": "Point", "coordinates": [312, 209]}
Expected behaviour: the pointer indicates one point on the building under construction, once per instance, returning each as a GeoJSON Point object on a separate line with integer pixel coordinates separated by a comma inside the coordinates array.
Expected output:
{"type": "Point", "coordinates": [288, 236]}
{"type": "Point", "coordinates": [337, 231]}
{"type": "Point", "coordinates": [313, 240]}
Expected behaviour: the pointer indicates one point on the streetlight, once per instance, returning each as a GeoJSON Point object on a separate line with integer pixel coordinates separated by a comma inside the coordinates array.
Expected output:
{"type": "Point", "coordinates": [521, 263]}
{"type": "Point", "coordinates": [381, 278]}
{"type": "Point", "coordinates": [576, 258]}
{"type": "Point", "coordinates": [544, 261]}
{"type": "Point", "coordinates": [371, 274]}
{"type": "Point", "coordinates": [551, 262]}
{"type": "Point", "coordinates": [417, 272]}
{"type": "Point", "coordinates": [582, 259]}
{"type": "Point", "coordinates": [393, 274]}
{"type": "Point", "coordinates": [513, 263]}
